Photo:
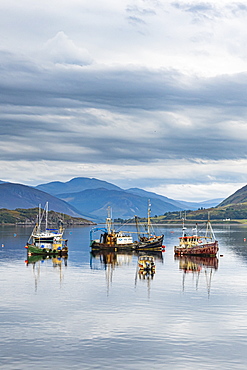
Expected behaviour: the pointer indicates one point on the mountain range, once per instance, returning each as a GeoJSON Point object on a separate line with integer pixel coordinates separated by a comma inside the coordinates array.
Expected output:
{"type": "Point", "coordinates": [96, 195]}
{"type": "Point", "coordinates": [89, 198]}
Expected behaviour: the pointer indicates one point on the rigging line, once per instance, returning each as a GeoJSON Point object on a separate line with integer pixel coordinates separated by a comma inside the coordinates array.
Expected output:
{"type": "Point", "coordinates": [202, 226]}
{"type": "Point", "coordinates": [120, 227]}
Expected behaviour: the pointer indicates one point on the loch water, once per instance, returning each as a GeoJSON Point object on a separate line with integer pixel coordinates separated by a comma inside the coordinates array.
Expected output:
{"type": "Point", "coordinates": [98, 312]}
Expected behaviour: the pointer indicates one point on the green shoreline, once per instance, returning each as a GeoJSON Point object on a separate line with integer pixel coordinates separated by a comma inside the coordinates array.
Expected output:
{"type": "Point", "coordinates": [187, 222]}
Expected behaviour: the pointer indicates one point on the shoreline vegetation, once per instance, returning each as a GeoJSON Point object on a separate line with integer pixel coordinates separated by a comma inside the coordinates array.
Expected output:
{"type": "Point", "coordinates": [28, 217]}
{"type": "Point", "coordinates": [187, 222]}
{"type": "Point", "coordinates": [224, 215]}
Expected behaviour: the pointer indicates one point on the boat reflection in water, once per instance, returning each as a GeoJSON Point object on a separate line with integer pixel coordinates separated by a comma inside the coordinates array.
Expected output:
{"type": "Point", "coordinates": [197, 266]}
{"type": "Point", "coordinates": [36, 261]}
{"type": "Point", "coordinates": [109, 259]}
{"type": "Point", "coordinates": [106, 258]}
{"type": "Point", "coordinates": [146, 267]}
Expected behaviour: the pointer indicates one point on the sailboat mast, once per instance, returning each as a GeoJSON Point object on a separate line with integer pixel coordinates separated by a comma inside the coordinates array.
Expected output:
{"type": "Point", "coordinates": [39, 218]}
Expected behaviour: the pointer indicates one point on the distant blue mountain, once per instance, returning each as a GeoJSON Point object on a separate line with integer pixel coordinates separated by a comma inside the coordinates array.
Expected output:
{"type": "Point", "coordinates": [176, 203]}
{"type": "Point", "coordinates": [75, 185]}
{"type": "Point", "coordinates": [179, 204]}
{"type": "Point", "coordinates": [212, 202]}
{"type": "Point", "coordinates": [196, 205]}
{"type": "Point", "coordinates": [124, 204]}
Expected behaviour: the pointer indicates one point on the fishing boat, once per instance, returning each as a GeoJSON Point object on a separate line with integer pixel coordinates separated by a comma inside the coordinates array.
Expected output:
{"type": "Point", "coordinates": [110, 238]}
{"type": "Point", "coordinates": [149, 240]}
{"type": "Point", "coordinates": [197, 245]}
{"type": "Point", "coordinates": [46, 241]}
{"type": "Point", "coordinates": [122, 240]}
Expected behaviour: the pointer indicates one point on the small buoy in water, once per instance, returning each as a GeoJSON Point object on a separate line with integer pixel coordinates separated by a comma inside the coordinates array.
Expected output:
{"type": "Point", "coordinates": [14, 235]}
{"type": "Point", "coordinates": [244, 239]}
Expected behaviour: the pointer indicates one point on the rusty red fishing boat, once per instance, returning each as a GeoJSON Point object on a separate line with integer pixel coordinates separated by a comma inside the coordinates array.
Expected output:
{"type": "Point", "coordinates": [197, 245]}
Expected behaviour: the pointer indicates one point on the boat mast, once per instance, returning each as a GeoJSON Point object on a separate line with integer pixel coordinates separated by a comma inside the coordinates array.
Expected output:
{"type": "Point", "coordinates": [209, 230]}
{"type": "Point", "coordinates": [149, 212]}
{"type": "Point", "coordinates": [39, 218]}
{"type": "Point", "coordinates": [183, 228]}
{"type": "Point", "coordinates": [109, 220]}
{"type": "Point", "coordinates": [46, 215]}
{"type": "Point", "coordinates": [196, 230]}
{"type": "Point", "coordinates": [137, 227]}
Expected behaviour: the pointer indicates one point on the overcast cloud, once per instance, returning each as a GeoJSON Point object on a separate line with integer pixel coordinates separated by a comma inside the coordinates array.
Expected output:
{"type": "Point", "coordinates": [149, 94]}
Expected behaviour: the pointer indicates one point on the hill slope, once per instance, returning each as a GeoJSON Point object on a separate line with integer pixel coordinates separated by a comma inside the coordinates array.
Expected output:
{"type": "Point", "coordinates": [229, 213]}
{"type": "Point", "coordinates": [14, 196]}
{"type": "Point", "coordinates": [240, 196]}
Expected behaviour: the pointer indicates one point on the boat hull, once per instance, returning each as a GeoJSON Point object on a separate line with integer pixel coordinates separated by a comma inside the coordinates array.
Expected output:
{"type": "Point", "coordinates": [209, 249]}
{"type": "Point", "coordinates": [99, 246]}
{"type": "Point", "coordinates": [45, 251]}
{"type": "Point", "coordinates": [153, 244]}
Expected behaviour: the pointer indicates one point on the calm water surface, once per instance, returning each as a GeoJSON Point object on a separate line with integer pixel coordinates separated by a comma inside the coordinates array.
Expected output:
{"type": "Point", "coordinates": [97, 312]}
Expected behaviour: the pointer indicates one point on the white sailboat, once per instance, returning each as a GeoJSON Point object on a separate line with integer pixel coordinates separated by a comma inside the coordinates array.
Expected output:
{"type": "Point", "coordinates": [46, 235]}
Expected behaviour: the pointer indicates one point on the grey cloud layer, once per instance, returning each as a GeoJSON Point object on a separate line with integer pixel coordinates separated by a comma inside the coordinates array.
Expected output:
{"type": "Point", "coordinates": [127, 87]}
{"type": "Point", "coordinates": [126, 114]}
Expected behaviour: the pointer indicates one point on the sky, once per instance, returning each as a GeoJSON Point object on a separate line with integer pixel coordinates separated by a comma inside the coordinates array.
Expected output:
{"type": "Point", "coordinates": [140, 93]}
